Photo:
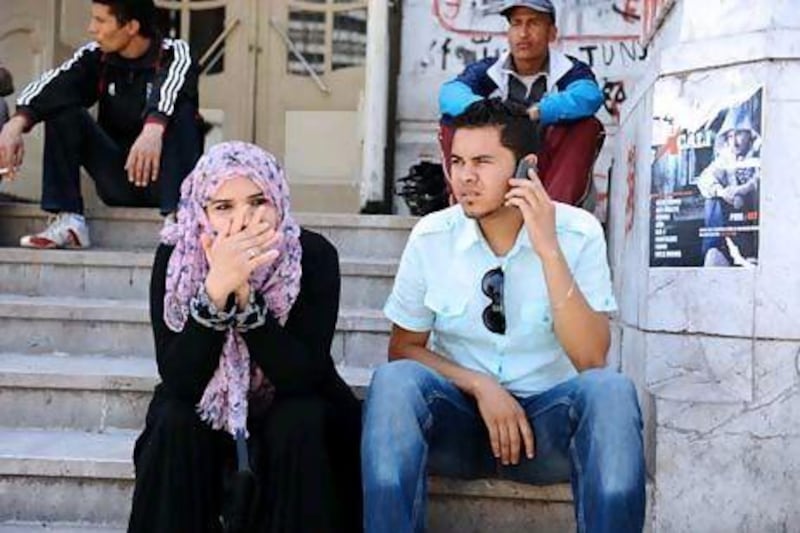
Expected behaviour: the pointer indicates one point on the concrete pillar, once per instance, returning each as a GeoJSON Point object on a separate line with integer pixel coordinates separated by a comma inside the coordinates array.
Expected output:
{"type": "Point", "coordinates": [716, 351]}
{"type": "Point", "coordinates": [376, 102]}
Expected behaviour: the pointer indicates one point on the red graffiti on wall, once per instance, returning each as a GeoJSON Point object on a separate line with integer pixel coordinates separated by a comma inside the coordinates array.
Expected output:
{"type": "Point", "coordinates": [628, 11]}
{"type": "Point", "coordinates": [452, 9]}
{"type": "Point", "coordinates": [652, 13]}
{"type": "Point", "coordinates": [447, 11]}
{"type": "Point", "coordinates": [630, 198]}
{"type": "Point", "coordinates": [613, 98]}
{"type": "Point", "coordinates": [670, 147]}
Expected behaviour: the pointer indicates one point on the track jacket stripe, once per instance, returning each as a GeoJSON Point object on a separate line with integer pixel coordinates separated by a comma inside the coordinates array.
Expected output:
{"type": "Point", "coordinates": [33, 89]}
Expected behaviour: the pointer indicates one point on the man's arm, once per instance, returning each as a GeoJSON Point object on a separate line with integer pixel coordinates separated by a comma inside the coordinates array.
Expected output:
{"type": "Point", "coordinates": [582, 329]}
{"type": "Point", "coordinates": [578, 97]}
{"type": "Point", "coordinates": [407, 344]}
{"type": "Point", "coordinates": [581, 99]}
{"type": "Point", "coordinates": [175, 80]}
{"type": "Point", "coordinates": [73, 83]}
{"type": "Point", "coordinates": [711, 180]}
{"type": "Point", "coordinates": [472, 85]}
{"type": "Point", "coordinates": [508, 426]}
{"type": "Point", "coordinates": [582, 332]}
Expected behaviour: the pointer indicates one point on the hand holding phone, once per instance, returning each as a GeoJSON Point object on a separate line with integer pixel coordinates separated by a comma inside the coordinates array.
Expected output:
{"type": "Point", "coordinates": [528, 194]}
{"type": "Point", "coordinates": [523, 167]}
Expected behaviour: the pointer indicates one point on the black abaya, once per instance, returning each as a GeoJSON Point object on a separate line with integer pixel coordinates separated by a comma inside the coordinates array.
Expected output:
{"type": "Point", "coordinates": [304, 446]}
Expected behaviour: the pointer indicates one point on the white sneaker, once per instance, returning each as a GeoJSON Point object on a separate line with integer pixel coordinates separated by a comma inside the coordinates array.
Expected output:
{"type": "Point", "coordinates": [64, 230]}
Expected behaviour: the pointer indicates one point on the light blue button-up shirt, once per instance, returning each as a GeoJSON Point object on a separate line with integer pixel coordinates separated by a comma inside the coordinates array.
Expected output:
{"type": "Point", "coordinates": [438, 289]}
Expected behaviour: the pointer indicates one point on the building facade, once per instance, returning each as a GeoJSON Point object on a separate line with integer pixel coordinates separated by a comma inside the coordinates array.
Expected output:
{"type": "Point", "coordinates": [707, 280]}
{"type": "Point", "coordinates": [287, 74]}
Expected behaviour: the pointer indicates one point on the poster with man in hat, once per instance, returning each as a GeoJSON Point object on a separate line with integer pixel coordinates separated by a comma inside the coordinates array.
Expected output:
{"type": "Point", "coordinates": [705, 181]}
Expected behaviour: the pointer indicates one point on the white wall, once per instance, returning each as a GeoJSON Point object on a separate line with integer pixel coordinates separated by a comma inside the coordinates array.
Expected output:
{"type": "Point", "coordinates": [715, 350]}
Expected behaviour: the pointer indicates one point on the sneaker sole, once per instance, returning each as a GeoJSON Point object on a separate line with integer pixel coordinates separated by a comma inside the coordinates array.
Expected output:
{"type": "Point", "coordinates": [40, 243]}
{"type": "Point", "coordinates": [37, 243]}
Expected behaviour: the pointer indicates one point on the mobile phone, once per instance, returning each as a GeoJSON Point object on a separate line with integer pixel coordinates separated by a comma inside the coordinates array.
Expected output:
{"type": "Point", "coordinates": [522, 169]}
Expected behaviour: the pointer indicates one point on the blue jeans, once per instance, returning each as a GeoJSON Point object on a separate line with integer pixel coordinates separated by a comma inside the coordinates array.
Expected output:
{"type": "Point", "coordinates": [587, 430]}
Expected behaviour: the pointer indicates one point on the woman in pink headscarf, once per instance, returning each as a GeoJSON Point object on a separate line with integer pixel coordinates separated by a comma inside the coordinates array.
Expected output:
{"type": "Point", "coordinates": [251, 413]}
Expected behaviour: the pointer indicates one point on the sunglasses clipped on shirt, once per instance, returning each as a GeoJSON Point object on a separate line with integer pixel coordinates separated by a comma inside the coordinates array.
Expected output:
{"type": "Point", "coordinates": [494, 316]}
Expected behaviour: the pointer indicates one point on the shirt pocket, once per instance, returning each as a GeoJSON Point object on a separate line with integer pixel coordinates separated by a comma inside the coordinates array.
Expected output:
{"type": "Point", "coordinates": [449, 308]}
{"type": "Point", "coordinates": [537, 317]}
{"type": "Point", "coordinates": [536, 331]}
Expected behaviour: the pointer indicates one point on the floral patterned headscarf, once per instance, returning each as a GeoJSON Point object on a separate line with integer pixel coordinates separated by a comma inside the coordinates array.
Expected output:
{"type": "Point", "coordinates": [224, 402]}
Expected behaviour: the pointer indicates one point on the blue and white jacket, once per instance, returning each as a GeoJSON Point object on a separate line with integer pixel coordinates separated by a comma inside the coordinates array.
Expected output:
{"type": "Point", "coordinates": [572, 91]}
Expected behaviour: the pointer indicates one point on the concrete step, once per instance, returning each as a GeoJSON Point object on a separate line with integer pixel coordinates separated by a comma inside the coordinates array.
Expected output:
{"type": "Point", "coordinates": [76, 477]}
{"type": "Point", "coordinates": [91, 392]}
{"type": "Point", "coordinates": [45, 527]}
{"type": "Point", "coordinates": [381, 236]}
{"type": "Point", "coordinates": [120, 274]}
{"type": "Point", "coordinates": [122, 328]}
{"type": "Point", "coordinates": [64, 476]}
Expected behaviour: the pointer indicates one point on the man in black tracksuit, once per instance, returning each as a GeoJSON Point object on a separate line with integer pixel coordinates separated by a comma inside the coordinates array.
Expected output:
{"type": "Point", "coordinates": [146, 138]}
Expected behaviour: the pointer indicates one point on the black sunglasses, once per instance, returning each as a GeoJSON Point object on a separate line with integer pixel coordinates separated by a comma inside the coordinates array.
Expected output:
{"type": "Point", "coordinates": [494, 316]}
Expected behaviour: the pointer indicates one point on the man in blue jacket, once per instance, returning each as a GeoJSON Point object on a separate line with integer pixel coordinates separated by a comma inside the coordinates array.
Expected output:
{"type": "Point", "coordinates": [559, 91]}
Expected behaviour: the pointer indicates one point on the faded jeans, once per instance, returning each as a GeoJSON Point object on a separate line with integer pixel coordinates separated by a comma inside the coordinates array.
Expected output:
{"type": "Point", "coordinates": [587, 430]}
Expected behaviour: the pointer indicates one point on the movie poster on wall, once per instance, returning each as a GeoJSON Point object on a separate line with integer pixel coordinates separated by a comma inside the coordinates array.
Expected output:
{"type": "Point", "coordinates": [704, 202]}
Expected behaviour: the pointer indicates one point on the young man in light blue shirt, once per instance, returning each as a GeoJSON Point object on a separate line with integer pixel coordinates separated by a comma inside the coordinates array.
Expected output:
{"type": "Point", "coordinates": [497, 365]}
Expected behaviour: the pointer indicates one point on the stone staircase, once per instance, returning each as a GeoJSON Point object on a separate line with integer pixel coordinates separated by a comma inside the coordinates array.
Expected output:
{"type": "Point", "coordinates": [77, 370]}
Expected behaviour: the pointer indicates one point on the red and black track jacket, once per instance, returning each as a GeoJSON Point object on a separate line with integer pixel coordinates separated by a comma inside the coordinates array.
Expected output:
{"type": "Point", "coordinates": [128, 91]}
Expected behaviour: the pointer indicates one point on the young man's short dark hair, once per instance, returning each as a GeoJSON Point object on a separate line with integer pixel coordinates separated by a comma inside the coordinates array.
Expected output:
{"type": "Point", "coordinates": [518, 132]}
{"type": "Point", "coordinates": [125, 11]}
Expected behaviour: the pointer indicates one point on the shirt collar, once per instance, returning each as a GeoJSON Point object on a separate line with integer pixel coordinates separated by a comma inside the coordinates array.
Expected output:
{"type": "Point", "coordinates": [558, 66]}
{"type": "Point", "coordinates": [522, 238]}
{"type": "Point", "coordinates": [507, 68]}
{"type": "Point", "coordinates": [147, 60]}
{"type": "Point", "coordinates": [469, 234]}
{"type": "Point", "coordinates": [522, 241]}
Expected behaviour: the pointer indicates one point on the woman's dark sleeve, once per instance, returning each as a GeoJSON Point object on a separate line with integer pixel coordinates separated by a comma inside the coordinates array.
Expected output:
{"type": "Point", "coordinates": [186, 360]}
{"type": "Point", "coordinates": [296, 358]}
